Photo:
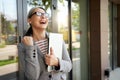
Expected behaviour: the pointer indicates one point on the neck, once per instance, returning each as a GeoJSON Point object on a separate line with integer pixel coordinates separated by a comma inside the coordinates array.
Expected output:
{"type": "Point", "coordinates": [38, 35]}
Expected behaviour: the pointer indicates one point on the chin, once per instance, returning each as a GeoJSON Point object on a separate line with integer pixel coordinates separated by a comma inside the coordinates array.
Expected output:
{"type": "Point", "coordinates": [42, 28]}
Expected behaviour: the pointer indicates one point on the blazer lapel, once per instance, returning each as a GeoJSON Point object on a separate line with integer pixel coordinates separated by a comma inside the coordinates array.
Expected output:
{"type": "Point", "coordinates": [40, 53]}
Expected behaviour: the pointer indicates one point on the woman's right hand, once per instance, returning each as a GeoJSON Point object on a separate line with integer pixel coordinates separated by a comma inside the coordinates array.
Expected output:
{"type": "Point", "coordinates": [27, 40]}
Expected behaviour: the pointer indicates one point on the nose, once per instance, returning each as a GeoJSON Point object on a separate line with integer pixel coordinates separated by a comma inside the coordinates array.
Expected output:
{"type": "Point", "coordinates": [42, 16]}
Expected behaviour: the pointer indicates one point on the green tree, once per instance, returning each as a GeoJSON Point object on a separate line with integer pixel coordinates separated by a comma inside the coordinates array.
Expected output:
{"type": "Point", "coordinates": [3, 27]}
{"type": "Point", "coordinates": [10, 29]}
{"type": "Point", "coordinates": [76, 17]}
{"type": "Point", "coordinates": [45, 3]}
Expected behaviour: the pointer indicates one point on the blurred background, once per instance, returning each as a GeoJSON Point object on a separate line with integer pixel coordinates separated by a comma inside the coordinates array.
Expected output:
{"type": "Point", "coordinates": [90, 30]}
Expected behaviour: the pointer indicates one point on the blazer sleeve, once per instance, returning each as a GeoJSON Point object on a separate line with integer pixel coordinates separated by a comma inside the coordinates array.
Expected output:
{"type": "Point", "coordinates": [28, 62]}
{"type": "Point", "coordinates": [65, 64]}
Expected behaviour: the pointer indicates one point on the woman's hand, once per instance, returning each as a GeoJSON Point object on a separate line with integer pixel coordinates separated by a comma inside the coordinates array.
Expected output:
{"type": "Point", "coordinates": [28, 40]}
{"type": "Point", "coordinates": [51, 59]}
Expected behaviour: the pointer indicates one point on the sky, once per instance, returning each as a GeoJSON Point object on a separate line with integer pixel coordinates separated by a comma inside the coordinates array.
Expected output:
{"type": "Point", "coordinates": [8, 7]}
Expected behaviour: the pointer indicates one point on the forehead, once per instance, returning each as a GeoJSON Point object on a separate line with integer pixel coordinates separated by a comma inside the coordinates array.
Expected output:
{"type": "Point", "coordinates": [39, 10]}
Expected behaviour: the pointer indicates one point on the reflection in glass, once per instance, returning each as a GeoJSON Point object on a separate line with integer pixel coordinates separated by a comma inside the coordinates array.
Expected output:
{"type": "Point", "coordinates": [76, 40]}
{"type": "Point", "coordinates": [63, 19]}
{"type": "Point", "coordinates": [8, 39]}
{"type": "Point", "coordinates": [64, 29]}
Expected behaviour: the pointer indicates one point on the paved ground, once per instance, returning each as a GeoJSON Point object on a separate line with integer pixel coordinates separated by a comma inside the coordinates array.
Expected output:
{"type": "Point", "coordinates": [9, 72]}
{"type": "Point", "coordinates": [9, 50]}
{"type": "Point", "coordinates": [8, 69]}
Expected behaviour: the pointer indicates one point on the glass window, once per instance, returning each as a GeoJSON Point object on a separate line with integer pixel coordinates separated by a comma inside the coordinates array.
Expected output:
{"type": "Point", "coordinates": [76, 40]}
{"type": "Point", "coordinates": [62, 19]}
{"type": "Point", "coordinates": [64, 29]}
{"type": "Point", "coordinates": [58, 16]}
{"type": "Point", "coordinates": [113, 35]}
{"type": "Point", "coordinates": [8, 40]}
{"type": "Point", "coordinates": [62, 26]}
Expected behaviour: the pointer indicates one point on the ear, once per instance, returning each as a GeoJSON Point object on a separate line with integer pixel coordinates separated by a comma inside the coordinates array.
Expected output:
{"type": "Point", "coordinates": [29, 21]}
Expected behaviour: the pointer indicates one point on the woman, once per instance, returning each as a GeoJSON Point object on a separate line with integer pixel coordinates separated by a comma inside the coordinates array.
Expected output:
{"type": "Point", "coordinates": [33, 57]}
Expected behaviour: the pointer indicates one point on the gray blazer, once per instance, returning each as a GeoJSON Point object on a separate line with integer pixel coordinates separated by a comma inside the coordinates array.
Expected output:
{"type": "Point", "coordinates": [32, 65]}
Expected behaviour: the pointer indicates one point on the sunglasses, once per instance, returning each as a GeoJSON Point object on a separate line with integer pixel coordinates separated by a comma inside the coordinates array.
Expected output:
{"type": "Point", "coordinates": [40, 14]}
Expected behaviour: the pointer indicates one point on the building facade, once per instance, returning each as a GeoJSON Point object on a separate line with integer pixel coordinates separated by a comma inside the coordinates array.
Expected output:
{"type": "Point", "coordinates": [90, 30]}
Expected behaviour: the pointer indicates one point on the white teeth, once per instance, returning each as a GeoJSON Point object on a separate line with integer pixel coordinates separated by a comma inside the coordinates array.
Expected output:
{"type": "Point", "coordinates": [42, 22]}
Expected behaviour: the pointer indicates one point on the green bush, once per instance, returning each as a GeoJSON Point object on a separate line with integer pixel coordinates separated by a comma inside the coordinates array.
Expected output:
{"type": "Point", "coordinates": [5, 62]}
{"type": "Point", "coordinates": [2, 44]}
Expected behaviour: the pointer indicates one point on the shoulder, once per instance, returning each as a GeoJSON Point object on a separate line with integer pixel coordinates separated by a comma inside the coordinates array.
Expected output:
{"type": "Point", "coordinates": [20, 46]}
{"type": "Point", "coordinates": [47, 34]}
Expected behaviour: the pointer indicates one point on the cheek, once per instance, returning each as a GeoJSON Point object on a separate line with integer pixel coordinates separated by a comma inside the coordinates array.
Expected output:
{"type": "Point", "coordinates": [35, 20]}
{"type": "Point", "coordinates": [35, 23]}
{"type": "Point", "coordinates": [47, 21]}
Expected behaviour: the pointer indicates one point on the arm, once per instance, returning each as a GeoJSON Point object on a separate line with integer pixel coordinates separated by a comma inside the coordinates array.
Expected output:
{"type": "Point", "coordinates": [65, 64]}
{"type": "Point", "coordinates": [28, 60]}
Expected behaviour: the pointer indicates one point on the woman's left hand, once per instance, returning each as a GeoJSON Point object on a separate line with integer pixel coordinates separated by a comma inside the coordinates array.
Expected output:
{"type": "Point", "coordinates": [51, 59]}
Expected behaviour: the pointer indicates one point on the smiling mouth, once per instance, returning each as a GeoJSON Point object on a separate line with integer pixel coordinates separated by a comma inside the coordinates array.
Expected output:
{"type": "Point", "coordinates": [42, 22]}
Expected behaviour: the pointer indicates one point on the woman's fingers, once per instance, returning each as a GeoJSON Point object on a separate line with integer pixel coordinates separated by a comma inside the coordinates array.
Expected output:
{"type": "Point", "coordinates": [28, 40]}
{"type": "Point", "coordinates": [51, 60]}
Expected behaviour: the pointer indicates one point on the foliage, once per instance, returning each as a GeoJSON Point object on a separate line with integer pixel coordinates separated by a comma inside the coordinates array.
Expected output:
{"type": "Point", "coordinates": [10, 29]}
{"type": "Point", "coordinates": [3, 28]}
{"type": "Point", "coordinates": [5, 62]}
{"type": "Point", "coordinates": [45, 3]}
{"type": "Point", "coordinates": [2, 44]}
{"type": "Point", "coordinates": [75, 17]}
{"type": "Point", "coordinates": [7, 27]}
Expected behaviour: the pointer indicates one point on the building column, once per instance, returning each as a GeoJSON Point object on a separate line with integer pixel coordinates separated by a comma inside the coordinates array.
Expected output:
{"type": "Point", "coordinates": [54, 23]}
{"type": "Point", "coordinates": [84, 56]}
{"type": "Point", "coordinates": [99, 24]}
{"type": "Point", "coordinates": [118, 35]}
{"type": "Point", "coordinates": [95, 39]}
{"type": "Point", "coordinates": [105, 34]}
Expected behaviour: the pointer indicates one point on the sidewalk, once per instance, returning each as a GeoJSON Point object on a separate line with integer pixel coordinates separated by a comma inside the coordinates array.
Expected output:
{"type": "Point", "coordinates": [10, 68]}
{"type": "Point", "coordinates": [9, 50]}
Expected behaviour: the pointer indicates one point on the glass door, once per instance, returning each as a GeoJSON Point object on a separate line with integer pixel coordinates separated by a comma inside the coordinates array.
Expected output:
{"type": "Point", "coordinates": [58, 23]}
{"type": "Point", "coordinates": [8, 40]}
{"type": "Point", "coordinates": [76, 39]}
{"type": "Point", "coordinates": [58, 20]}
{"type": "Point", "coordinates": [63, 27]}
